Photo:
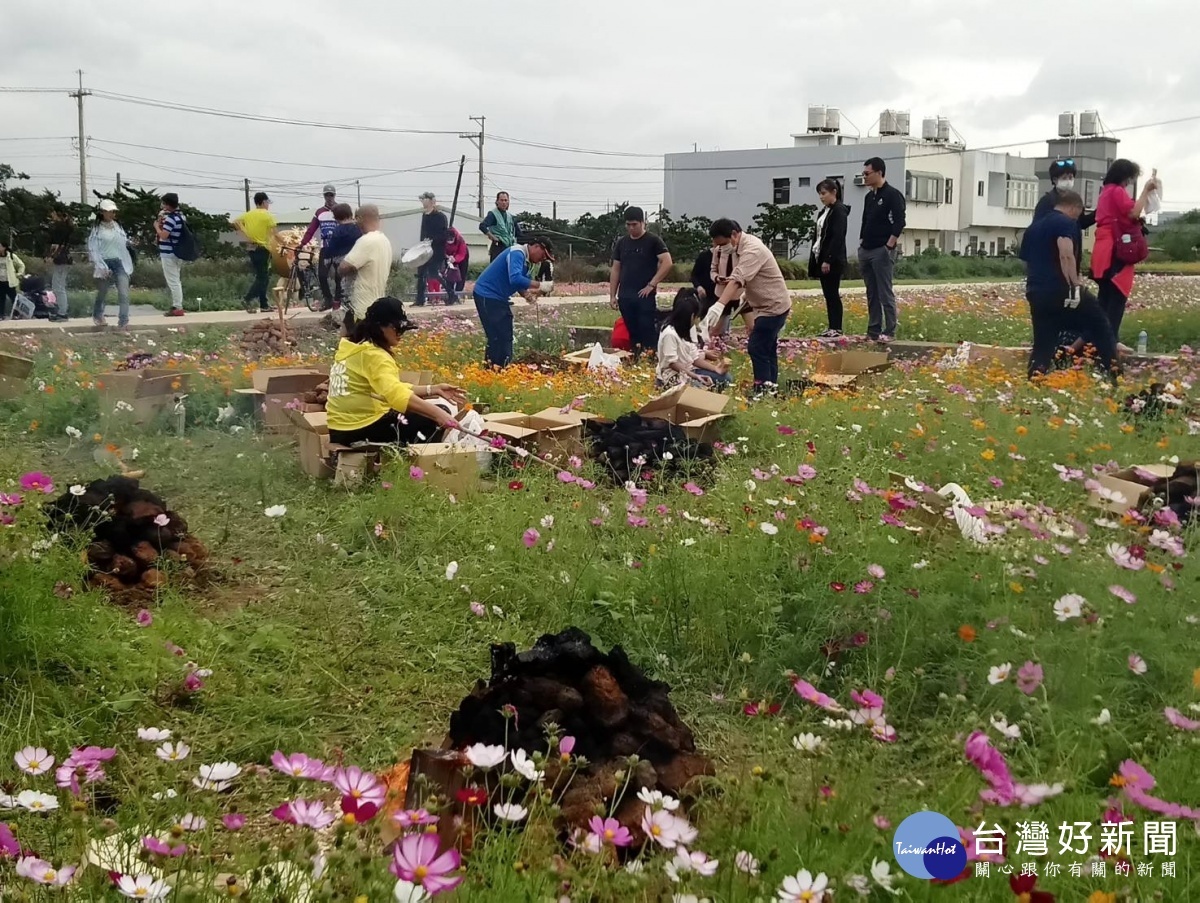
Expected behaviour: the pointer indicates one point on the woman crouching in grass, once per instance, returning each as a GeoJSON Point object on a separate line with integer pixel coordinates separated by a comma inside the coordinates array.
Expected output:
{"type": "Point", "coordinates": [680, 357]}
{"type": "Point", "coordinates": [367, 400]}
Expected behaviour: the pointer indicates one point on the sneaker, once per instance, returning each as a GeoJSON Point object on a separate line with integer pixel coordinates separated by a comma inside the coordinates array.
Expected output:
{"type": "Point", "coordinates": [174, 312]}
{"type": "Point", "coordinates": [830, 334]}
{"type": "Point", "coordinates": [885, 339]}
{"type": "Point", "coordinates": [99, 322]}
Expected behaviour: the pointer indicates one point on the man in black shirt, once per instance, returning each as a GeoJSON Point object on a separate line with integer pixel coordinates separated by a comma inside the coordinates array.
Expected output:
{"type": "Point", "coordinates": [59, 236]}
{"type": "Point", "coordinates": [882, 223]}
{"type": "Point", "coordinates": [640, 261]}
{"type": "Point", "coordinates": [434, 228]}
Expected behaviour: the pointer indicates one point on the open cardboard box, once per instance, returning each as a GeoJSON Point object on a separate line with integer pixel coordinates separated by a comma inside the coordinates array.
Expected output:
{"type": "Point", "coordinates": [697, 412]}
{"type": "Point", "coordinates": [1009, 358]}
{"type": "Point", "coordinates": [275, 387]}
{"type": "Point", "coordinates": [844, 369]}
{"type": "Point", "coordinates": [930, 512]}
{"type": "Point", "coordinates": [1123, 489]}
{"type": "Point", "coordinates": [312, 435]}
{"type": "Point", "coordinates": [14, 375]}
{"type": "Point", "coordinates": [449, 467]}
{"type": "Point", "coordinates": [583, 356]}
{"type": "Point", "coordinates": [545, 433]}
{"type": "Point", "coordinates": [418, 377]}
{"type": "Point", "coordinates": [150, 392]}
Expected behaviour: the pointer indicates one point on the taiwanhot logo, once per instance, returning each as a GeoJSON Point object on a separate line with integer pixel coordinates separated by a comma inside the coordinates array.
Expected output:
{"type": "Point", "coordinates": [927, 845]}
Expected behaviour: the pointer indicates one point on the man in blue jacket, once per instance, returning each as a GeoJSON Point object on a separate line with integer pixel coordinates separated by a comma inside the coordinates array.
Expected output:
{"type": "Point", "coordinates": [504, 277]}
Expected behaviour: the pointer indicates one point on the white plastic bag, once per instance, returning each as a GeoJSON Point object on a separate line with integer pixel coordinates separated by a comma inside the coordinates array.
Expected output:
{"type": "Point", "coordinates": [599, 359]}
{"type": "Point", "coordinates": [1154, 198]}
{"type": "Point", "coordinates": [472, 422]}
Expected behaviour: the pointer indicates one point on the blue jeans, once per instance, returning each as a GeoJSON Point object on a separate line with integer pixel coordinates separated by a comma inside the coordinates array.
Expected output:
{"type": "Point", "coordinates": [640, 316]}
{"type": "Point", "coordinates": [497, 320]}
{"type": "Point", "coordinates": [116, 274]}
{"type": "Point", "coordinates": [719, 380]}
{"type": "Point", "coordinates": [58, 285]}
{"type": "Point", "coordinates": [763, 348]}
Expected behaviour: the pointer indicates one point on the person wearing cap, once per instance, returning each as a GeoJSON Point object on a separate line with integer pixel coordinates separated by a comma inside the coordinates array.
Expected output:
{"type": "Point", "coordinates": [500, 226]}
{"type": "Point", "coordinates": [258, 227]}
{"type": "Point", "coordinates": [369, 262]}
{"type": "Point", "coordinates": [504, 277]}
{"type": "Point", "coordinates": [640, 261]}
{"type": "Point", "coordinates": [367, 400]}
{"type": "Point", "coordinates": [323, 221]}
{"type": "Point", "coordinates": [108, 251]}
{"type": "Point", "coordinates": [1062, 179]}
{"type": "Point", "coordinates": [435, 228]}
{"type": "Point", "coordinates": [168, 228]}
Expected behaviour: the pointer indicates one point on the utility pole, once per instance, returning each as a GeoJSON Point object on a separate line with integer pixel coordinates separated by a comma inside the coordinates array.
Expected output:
{"type": "Point", "coordinates": [476, 138]}
{"type": "Point", "coordinates": [118, 183]}
{"type": "Point", "coordinates": [246, 191]}
{"type": "Point", "coordinates": [79, 96]}
{"type": "Point", "coordinates": [358, 191]}
{"type": "Point", "coordinates": [554, 210]}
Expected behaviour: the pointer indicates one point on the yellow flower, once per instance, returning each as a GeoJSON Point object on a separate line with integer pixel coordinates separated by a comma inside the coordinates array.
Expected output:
{"type": "Point", "coordinates": [1196, 679]}
{"type": "Point", "coordinates": [1016, 587]}
{"type": "Point", "coordinates": [1126, 428]}
{"type": "Point", "coordinates": [979, 424]}
{"type": "Point", "coordinates": [1099, 896]}
{"type": "Point", "coordinates": [988, 455]}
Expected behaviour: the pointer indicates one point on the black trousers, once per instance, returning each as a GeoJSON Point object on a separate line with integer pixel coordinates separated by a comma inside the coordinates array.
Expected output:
{"type": "Point", "coordinates": [389, 429]}
{"type": "Point", "coordinates": [326, 268]}
{"type": "Point", "coordinates": [8, 294]}
{"type": "Point", "coordinates": [1112, 302]}
{"type": "Point", "coordinates": [430, 270]}
{"type": "Point", "coordinates": [260, 264]}
{"type": "Point", "coordinates": [831, 287]}
{"type": "Point", "coordinates": [1051, 317]}
{"type": "Point", "coordinates": [495, 249]}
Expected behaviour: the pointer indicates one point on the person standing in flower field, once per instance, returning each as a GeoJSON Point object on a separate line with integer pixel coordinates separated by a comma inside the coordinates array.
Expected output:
{"type": "Point", "coordinates": [324, 221]}
{"type": "Point", "coordinates": [500, 227]}
{"type": "Point", "coordinates": [640, 261]}
{"type": "Point", "coordinates": [59, 235]}
{"type": "Point", "coordinates": [370, 263]}
{"type": "Point", "coordinates": [169, 228]}
{"type": "Point", "coordinates": [504, 277]}
{"type": "Point", "coordinates": [882, 222]}
{"type": "Point", "coordinates": [257, 226]}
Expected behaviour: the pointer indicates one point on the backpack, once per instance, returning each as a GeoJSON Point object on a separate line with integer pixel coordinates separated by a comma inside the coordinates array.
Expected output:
{"type": "Point", "coordinates": [186, 247]}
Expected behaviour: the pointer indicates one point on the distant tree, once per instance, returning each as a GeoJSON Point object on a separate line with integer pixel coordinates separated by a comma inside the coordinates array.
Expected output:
{"type": "Point", "coordinates": [791, 224]}
{"type": "Point", "coordinates": [685, 237]}
{"type": "Point", "coordinates": [1180, 239]}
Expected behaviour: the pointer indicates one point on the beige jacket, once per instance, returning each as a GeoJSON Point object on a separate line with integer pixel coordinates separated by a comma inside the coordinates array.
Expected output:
{"type": "Point", "coordinates": [757, 271]}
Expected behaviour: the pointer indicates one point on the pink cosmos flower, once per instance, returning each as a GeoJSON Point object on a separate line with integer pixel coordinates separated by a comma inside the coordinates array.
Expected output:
{"type": "Point", "coordinates": [36, 481]}
{"type": "Point", "coordinates": [990, 762]}
{"type": "Point", "coordinates": [34, 760]}
{"type": "Point", "coordinates": [1137, 664]}
{"type": "Point", "coordinates": [566, 746]}
{"type": "Point", "coordinates": [1124, 557]}
{"type": "Point", "coordinates": [693, 489]}
{"type": "Point", "coordinates": [565, 476]}
{"type": "Point", "coordinates": [298, 765]}
{"type": "Point", "coordinates": [40, 871]}
{"type": "Point", "coordinates": [1029, 678]}
{"type": "Point", "coordinates": [1177, 720]}
{"type": "Point", "coordinates": [359, 784]}
{"type": "Point", "coordinates": [308, 814]}
{"type": "Point", "coordinates": [867, 699]}
{"type": "Point", "coordinates": [414, 818]}
{"type": "Point", "coordinates": [530, 537]}
{"type": "Point", "coordinates": [635, 521]}
{"type": "Point", "coordinates": [416, 473]}
{"type": "Point", "coordinates": [863, 587]}
{"type": "Point", "coordinates": [144, 618]}
{"type": "Point", "coordinates": [10, 499]}
{"type": "Point", "coordinates": [234, 821]}
{"type": "Point", "coordinates": [610, 831]}
{"type": "Point", "coordinates": [192, 682]}
{"type": "Point", "coordinates": [162, 848]}
{"type": "Point", "coordinates": [1123, 594]}
{"type": "Point", "coordinates": [881, 822]}
{"type": "Point", "coordinates": [415, 859]}
{"type": "Point", "coordinates": [809, 693]}
{"type": "Point", "coordinates": [8, 843]}
{"type": "Point", "coordinates": [876, 571]}
{"type": "Point", "coordinates": [478, 609]}
{"type": "Point", "coordinates": [996, 482]}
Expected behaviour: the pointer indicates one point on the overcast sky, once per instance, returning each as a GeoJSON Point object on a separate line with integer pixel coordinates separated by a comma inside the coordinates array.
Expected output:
{"type": "Point", "coordinates": [626, 76]}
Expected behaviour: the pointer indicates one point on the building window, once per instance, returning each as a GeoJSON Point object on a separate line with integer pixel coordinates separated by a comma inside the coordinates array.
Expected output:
{"type": "Point", "coordinates": [991, 249]}
{"type": "Point", "coordinates": [1020, 194]}
{"type": "Point", "coordinates": [924, 187]}
{"type": "Point", "coordinates": [731, 184]}
{"type": "Point", "coordinates": [783, 191]}
{"type": "Point", "coordinates": [973, 243]}
{"type": "Point", "coordinates": [949, 191]}
{"type": "Point", "coordinates": [803, 182]}
{"type": "Point", "coordinates": [1000, 245]}
{"type": "Point", "coordinates": [933, 243]}
{"type": "Point", "coordinates": [979, 190]}
{"type": "Point", "coordinates": [916, 246]}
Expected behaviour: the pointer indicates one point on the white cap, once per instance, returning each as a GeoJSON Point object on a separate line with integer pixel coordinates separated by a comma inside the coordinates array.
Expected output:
{"type": "Point", "coordinates": [107, 205]}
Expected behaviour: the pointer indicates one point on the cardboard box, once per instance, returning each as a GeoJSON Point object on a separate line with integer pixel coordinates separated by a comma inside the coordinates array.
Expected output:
{"type": "Point", "coordinates": [312, 435]}
{"type": "Point", "coordinates": [546, 433]}
{"type": "Point", "coordinates": [14, 375]}
{"type": "Point", "coordinates": [582, 357]}
{"type": "Point", "coordinates": [1124, 489]}
{"type": "Point", "coordinates": [1009, 358]}
{"type": "Point", "coordinates": [149, 392]}
{"type": "Point", "coordinates": [846, 369]}
{"type": "Point", "coordinates": [697, 412]}
{"type": "Point", "coordinates": [448, 467]}
{"type": "Point", "coordinates": [418, 377]}
{"type": "Point", "coordinates": [275, 387]}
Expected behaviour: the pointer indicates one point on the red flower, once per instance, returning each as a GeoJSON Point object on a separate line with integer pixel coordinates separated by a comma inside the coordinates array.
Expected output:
{"type": "Point", "coordinates": [837, 586]}
{"type": "Point", "coordinates": [785, 430]}
{"type": "Point", "coordinates": [859, 639]}
{"type": "Point", "coordinates": [1022, 886]}
{"type": "Point", "coordinates": [472, 796]}
{"type": "Point", "coordinates": [754, 709]}
{"type": "Point", "coordinates": [811, 446]}
{"type": "Point", "coordinates": [516, 485]}
{"type": "Point", "coordinates": [361, 810]}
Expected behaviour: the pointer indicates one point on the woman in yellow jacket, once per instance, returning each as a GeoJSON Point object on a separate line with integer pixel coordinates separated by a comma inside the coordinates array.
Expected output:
{"type": "Point", "coordinates": [367, 400]}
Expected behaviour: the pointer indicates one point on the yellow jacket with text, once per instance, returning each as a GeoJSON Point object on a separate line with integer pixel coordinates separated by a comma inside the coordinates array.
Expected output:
{"type": "Point", "coordinates": [364, 384]}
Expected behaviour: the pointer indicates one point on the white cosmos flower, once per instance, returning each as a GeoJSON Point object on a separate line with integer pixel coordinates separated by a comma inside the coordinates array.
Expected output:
{"type": "Point", "coordinates": [685, 861]}
{"type": "Point", "coordinates": [486, 757]}
{"type": "Point", "coordinates": [407, 892]}
{"type": "Point", "coordinates": [143, 887]}
{"type": "Point", "coordinates": [34, 760]}
{"type": "Point", "coordinates": [275, 511]}
{"type": "Point", "coordinates": [882, 873]}
{"type": "Point", "coordinates": [745, 862]}
{"type": "Point", "coordinates": [656, 799]}
{"type": "Point", "coordinates": [1006, 730]}
{"type": "Point", "coordinates": [217, 776]}
{"type": "Point", "coordinates": [78, 490]}
{"type": "Point", "coordinates": [768, 528]}
{"type": "Point", "coordinates": [36, 801]}
{"type": "Point", "coordinates": [998, 674]}
{"type": "Point", "coordinates": [451, 570]}
{"type": "Point", "coordinates": [808, 743]}
{"type": "Point", "coordinates": [153, 734]}
{"type": "Point", "coordinates": [802, 887]}
{"type": "Point", "coordinates": [1069, 606]}
{"type": "Point", "coordinates": [74, 433]}
{"type": "Point", "coordinates": [173, 752]}
{"type": "Point", "coordinates": [1103, 718]}
{"type": "Point", "coordinates": [167, 794]}
{"type": "Point", "coordinates": [510, 811]}
{"type": "Point", "coordinates": [525, 767]}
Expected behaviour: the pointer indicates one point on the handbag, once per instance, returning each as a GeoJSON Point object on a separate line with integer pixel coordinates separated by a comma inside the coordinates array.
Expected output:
{"type": "Point", "coordinates": [1129, 245]}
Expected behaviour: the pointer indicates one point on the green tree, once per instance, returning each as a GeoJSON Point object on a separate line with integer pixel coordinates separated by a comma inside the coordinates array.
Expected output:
{"type": "Point", "coordinates": [1181, 238]}
{"type": "Point", "coordinates": [791, 224]}
{"type": "Point", "coordinates": [685, 237]}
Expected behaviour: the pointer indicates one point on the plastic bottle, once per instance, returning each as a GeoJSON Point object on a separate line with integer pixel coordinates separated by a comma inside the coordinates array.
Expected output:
{"type": "Point", "coordinates": [1143, 342]}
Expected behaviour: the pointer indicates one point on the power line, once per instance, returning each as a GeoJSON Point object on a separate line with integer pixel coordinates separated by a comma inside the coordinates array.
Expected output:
{"type": "Point", "coordinates": [567, 149]}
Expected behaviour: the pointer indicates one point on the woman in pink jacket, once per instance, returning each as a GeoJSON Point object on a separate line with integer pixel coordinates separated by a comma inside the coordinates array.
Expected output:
{"type": "Point", "coordinates": [1117, 214]}
{"type": "Point", "coordinates": [458, 256]}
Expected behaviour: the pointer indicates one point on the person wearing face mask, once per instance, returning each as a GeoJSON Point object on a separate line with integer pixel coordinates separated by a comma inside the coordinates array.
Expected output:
{"type": "Point", "coordinates": [1062, 178]}
{"type": "Point", "coordinates": [1118, 219]}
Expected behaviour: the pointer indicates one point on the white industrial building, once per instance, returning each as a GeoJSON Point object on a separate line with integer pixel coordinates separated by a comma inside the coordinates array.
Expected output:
{"type": "Point", "coordinates": [958, 200]}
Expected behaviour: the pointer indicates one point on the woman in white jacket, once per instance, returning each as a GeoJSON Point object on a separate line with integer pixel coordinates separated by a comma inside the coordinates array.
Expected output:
{"type": "Point", "coordinates": [12, 268]}
{"type": "Point", "coordinates": [108, 250]}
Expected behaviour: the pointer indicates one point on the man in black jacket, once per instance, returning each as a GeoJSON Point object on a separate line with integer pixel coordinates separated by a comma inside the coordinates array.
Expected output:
{"type": "Point", "coordinates": [434, 228]}
{"type": "Point", "coordinates": [1062, 179]}
{"type": "Point", "coordinates": [882, 223]}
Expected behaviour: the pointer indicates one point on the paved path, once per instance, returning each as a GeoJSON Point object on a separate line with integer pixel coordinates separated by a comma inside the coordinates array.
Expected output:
{"type": "Point", "coordinates": [144, 318]}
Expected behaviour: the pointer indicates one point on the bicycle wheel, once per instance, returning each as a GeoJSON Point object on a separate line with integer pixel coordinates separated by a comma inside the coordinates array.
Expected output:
{"type": "Point", "coordinates": [310, 292]}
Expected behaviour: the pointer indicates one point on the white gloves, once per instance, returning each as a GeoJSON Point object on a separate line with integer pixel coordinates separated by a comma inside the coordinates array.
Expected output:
{"type": "Point", "coordinates": [713, 317]}
{"type": "Point", "coordinates": [1072, 301]}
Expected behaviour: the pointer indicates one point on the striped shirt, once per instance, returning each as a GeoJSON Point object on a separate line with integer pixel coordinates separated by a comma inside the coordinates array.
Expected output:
{"type": "Point", "coordinates": [173, 225]}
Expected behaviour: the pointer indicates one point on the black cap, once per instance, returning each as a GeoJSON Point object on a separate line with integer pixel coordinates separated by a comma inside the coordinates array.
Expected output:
{"type": "Point", "coordinates": [1060, 168]}
{"type": "Point", "coordinates": [544, 243]}
{"type": "Point", "coordinates": [635, 215]}
{"type": "Point", "coordinates": [389, 311]}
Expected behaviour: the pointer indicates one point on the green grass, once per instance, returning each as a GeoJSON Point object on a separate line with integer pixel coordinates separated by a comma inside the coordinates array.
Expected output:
{"type": "Point", "coordinates": [327, 638]}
